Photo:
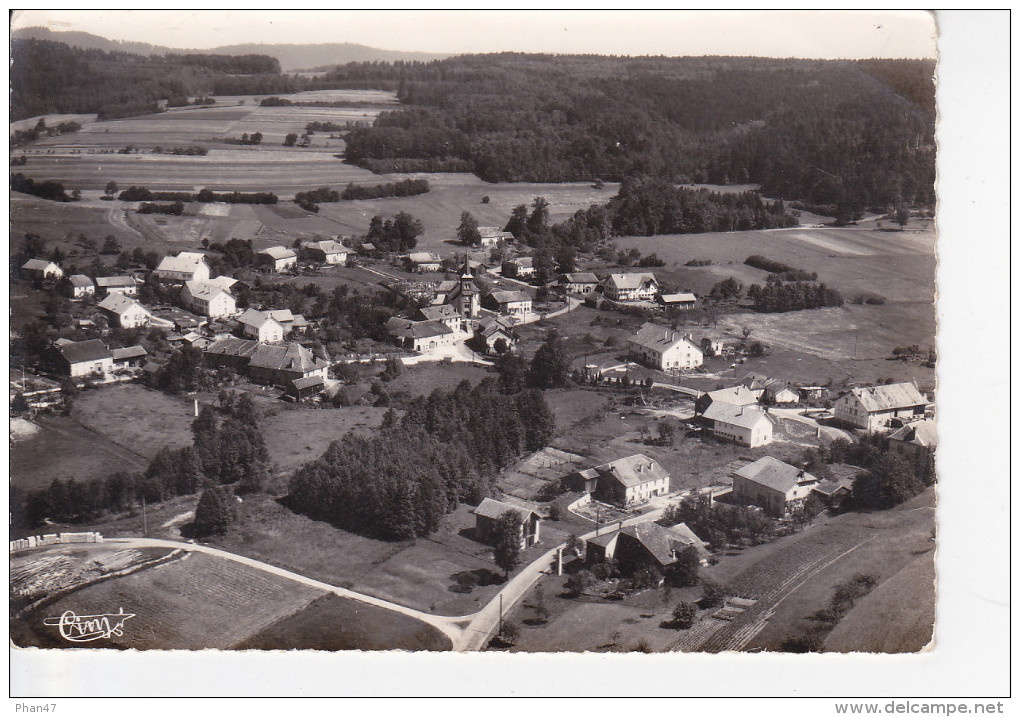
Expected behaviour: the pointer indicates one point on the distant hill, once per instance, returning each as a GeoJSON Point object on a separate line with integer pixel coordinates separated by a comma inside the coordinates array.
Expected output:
{"type": "Point", "coordinates": [291, 57]}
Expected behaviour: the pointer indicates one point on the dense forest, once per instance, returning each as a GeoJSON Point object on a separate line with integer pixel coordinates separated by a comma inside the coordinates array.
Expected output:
{"type": "Point", "coordinates": [50, 77]}
{"type": "Point", "coordinates": [400, 482]}
{"type": "Point", "coordinates": [832, 132]}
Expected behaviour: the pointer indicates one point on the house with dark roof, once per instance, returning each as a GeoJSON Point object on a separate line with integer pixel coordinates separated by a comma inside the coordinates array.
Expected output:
{"type": "Point", "coordinates": [661, 348]}
{"type": "Point", "coordinates": [749, 426]}
{"type": "Point", "coordinates": [278, 364]}
{"type": "Point", "coordinates": [301, 389]}
{"type": "Point", "coordinates": [86, 358]}
{"type": "Point", "coordinates": [772, 485]}
{"type": "Point", "coordinates": [493, 329]}
{"type": "Point", "coordinates": [915, 441]}
{"type": "Point", "coordinates": [126, 285]}
{"type": "Point", "coordinates": [446, 313]}
{"type": "Point", "coordinates": [129, 357]}
{"type": "Point", "coordinates": [79, 286]}
{"type": "Point", "coordinates": [644, 544]}
{"type": "Point", "coordinates": [487, 516]}
{"type": "Point", "coordinates": [873, 408]}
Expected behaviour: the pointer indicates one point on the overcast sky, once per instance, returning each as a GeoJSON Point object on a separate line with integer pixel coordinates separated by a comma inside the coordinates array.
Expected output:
{"type": "Point", "coordinates": [771, 33]}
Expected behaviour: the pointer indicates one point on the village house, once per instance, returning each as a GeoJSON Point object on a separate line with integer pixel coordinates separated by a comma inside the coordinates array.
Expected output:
{"type": "Point", "coordinates": [277, 258]}
{"type": "Point", "coordinates": [273, 364]}
{"type": "Point", "coordinates": [664, 349]}
{"type": "Point", "coordinates": [491, 330]}
{"type": "Point", "coordinates": [208, 299]}
{"type": "Point", "coordinates": [445, 313]}
{"type": "Point", "coordinates": [744, 425]}
{"type": "Point", "coordinates": [772, 485]}
{"type": "Point", "coordinates": [491, 236]}
{"type": "Point", "coordinates": [85, 358]}
{"type": "Point", "coordinates": [678, 301]}
{"type": "Point", "coordinates": [644, 544]}
{"type": "Point", "coordinates": [420, 336]}
{"type": "Point", "coordinates": [874, 407]}
{"type": "Point", "coordinates": [833, 491]}
{"type": "Point", "coordinates": [523, 267]}
{"type": "Point", "coordinates": [915, 441]}
{"type": "Point", "coordinates": [423, 262]}
{"type": "Point", "coordinates": [260, 326]}
{"type": "Point", "coordinates": [633, 286]}
{"type": "Point", "coordinates": [487, 516]}
{"type": "Point", "coordinates": [578, 283]}
{"type": "Point", "coordinates": [770, 390]}
{"type": "Point", "coordinates": [124, 312]}
{"type": "Point", "coordinates": [79, 286]}
{"type": "Point", "coordinates": [735, 395]}
{"type": "Point", "coordinates": [326, 252]}
{"type": "Point", "coordinates": [126, 285]}
{"type": "Point", "coordinates": [41, 270]}
{"type": "Point", "coordinates": [130, 357]}
{"type": "Point", "coordinates": [186, 266]}
{"type": "Point", "coordinates": [625, 481]}
{"type": "Point", "coordinates": [511, 303]}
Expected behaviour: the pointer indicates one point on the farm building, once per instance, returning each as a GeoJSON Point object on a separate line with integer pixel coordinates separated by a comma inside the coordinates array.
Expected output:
{"type": "Point", "coordinates": [230, 353]}
{"type": "Point", "coordinates": [874, 407]}
{"type": "Point", "coordinates": [124, 312]}
{"type": "Point", "coordinates": [772, 485]}
{"type": "Point", "coordinates": [579, 283]}
{"type": "Point", "coordinates": [130, 357]}
{"type": "Point", "coordinates": [636, 546]}
{"type": "Point", "coordinates": [488, 513]}
{"type": "Point", "coordinates": [273, 364]}
{"type": "Point", "coordinates": [79, 286]}
{"type": "Point", "coordinates": [511, 303]}
{"type": "Point", "coordinates": [423, 262]}
{"type": "Point", "coordinates": [491, 236]}
{"type": "Point", "coordinates": [444, 313]}
{"type": "Point", "coordinates": [261, 326]}
{"type": "Point", "coordinates": [86, 358]}
{"type": "Point", "coordinates": [523, 267]}
{"type": "Point", "coordinates": [41, 270]}
{"type": "Point", "coordinates": [744, 425]}
{"type": "Point", "coordinates": [301, 389]}
{"type": "Point", "coordinates": [326, 252]}
{"type": "Point", "coordinates": [186, 266]}
{"type": "Point", "coordinates": [277, 258]}
{"type": "Point", "coordinates": [633, 286]}
{"type": "Point", "coordinates": [623, 482]}
{"type": "Point", "coordinates": [833, 491]}
{"type": "Point", "coordinates": [915, 441]}
{"type": "Point", "coordinates": [664, 349]}
{"type": "Point", "coordinates": [678, 301]}
{"type": "Point", "coordinates": [125, 285]}
{"type": "Point", "coordinates": [495, 328]}
{"type": "Point", "coordinates": [735, 395]}
{"type": "Point", "coordinates": [420, 336]}
{"type": "Point", "coordinates": [208, 299]}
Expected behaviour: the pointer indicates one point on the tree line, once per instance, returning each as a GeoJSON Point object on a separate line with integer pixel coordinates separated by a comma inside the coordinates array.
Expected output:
{"type": "Point", "coordinates": [777, 296]}
{"type": "Point", "coordinates": [205, 196]}
{"type": "Point", "coordinates": [447, 448]}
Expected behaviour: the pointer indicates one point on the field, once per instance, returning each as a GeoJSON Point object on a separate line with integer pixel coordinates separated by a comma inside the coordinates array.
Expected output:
{"type": "Point", "coordinates": [136, 418]}
{"type": "Point", "coordinates": [334, 623]}
{"type": "Point", "coordinates": [192, 603]}
{"type": "Point", "coordinates": [297, 435]}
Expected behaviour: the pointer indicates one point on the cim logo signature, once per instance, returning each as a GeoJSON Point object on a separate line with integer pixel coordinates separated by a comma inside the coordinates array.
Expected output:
{"type": "Point", "coordinates": [85, 628]}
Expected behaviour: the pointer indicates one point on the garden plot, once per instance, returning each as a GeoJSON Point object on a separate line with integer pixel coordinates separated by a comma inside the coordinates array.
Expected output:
{"type": "Point", "coordinates": [529, 477]}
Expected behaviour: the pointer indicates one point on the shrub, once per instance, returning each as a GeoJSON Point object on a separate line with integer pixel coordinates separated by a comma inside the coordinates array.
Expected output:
{"type": "Point", "coordinates": [684, 615]}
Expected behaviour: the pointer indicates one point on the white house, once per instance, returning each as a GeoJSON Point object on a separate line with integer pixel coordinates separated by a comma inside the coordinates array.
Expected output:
{"type": "Point", "coordinates": [327, 251]}
{"type": "Point", "coordinates": [85, 358]}
{"type": "Point", "coordinates": [873, 407]}
{"type": "Point", "coordinates": [630, 480]}
{"type": "Point", "coordinates": [42, 270]}
{"type": "Point", "coordinates": [632, 286]}
{"type": "Point", "coordinates": [523, 267]}
{"type": "Point", "coordinates": [125, 285]}
{"type": "Point", "coordinates": [423, 262]}
{"type": "Point", "coordinates": [511, 303]}
{"type": "Point", "coordinates": [208, 299]}
{"type": "Point", "coordinates": [744, 425]}
{"type": "Point", "coordinates": [678, 301]}
{"type": "Point", "coordinates": [491, 236]}
{"type": "Point", "coordinates": [664, 349]}
{"type": "Point", "coordinates": [578, 283]}
{"type": "Point", "coordinates": [80, 285]}
{"type": "Point", "coordinates": [125, 312]}
{"type": "Point", "coordinates": [775, 486]}
{"type": "Point", "coordinates": [277, 258]}
{"type": "Point", "coordinates": [261, 326]}
{"type": "Point", "coordinates": [420, 336]}
{"type": "Point", "coordinates": [186, 266]}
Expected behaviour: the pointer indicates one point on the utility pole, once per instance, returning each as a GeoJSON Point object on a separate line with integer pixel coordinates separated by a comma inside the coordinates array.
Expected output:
{"type": "Point", "coordinates": [500, 614]}
{"type": "Point", "coordinates": [145, 520]}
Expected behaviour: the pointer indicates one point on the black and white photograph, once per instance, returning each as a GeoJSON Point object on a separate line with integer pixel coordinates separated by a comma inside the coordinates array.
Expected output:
{"type": "Point", "coordinates": [511, 332]}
